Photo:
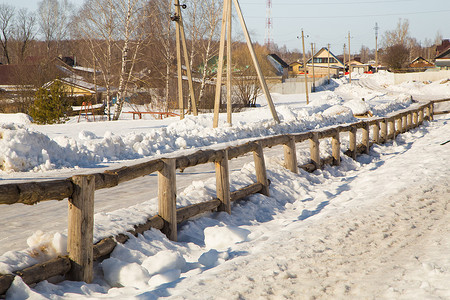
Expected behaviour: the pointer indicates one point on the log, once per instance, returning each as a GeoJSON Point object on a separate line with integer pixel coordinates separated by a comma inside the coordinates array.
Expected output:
{"type": "Point", "coordinates": [223, 183]}
{"type": "Point", "coordinates": [440, 100]}
{"type": "Point", "coordinates": [365, 137]}
{"type": "Point", "coordinates": [37, 273]}
{"type": "Point", "coordinates": [30, 193]}
{"type": "Point", "coordinates": [336, 149]}
{"type": "Point", "coordinates": [431, 111]}
{"type": "Point", "coordinates": [198, 158]}
{"type": "Point", "coordinates": [399, 125]}
{"type": "Point", "coordinates": [415, 119]}
{"type": "Point", "coordinates": [327, 133]}
{"type": "Point", "coordinates": [167, 197]}
{"type": "Point", "coordinates": [352, 146]}
{"type": "Point", "coordinates": [246, 191]}
{"type": "Point", "coordinates": [260, 169]}
{"type": "Point", "coordinates": [81, 228]}
{"type": "Point", "coordinates": [132, 172]}
{"type": "Point", "coordinates": [404, 123]}
{"type": "Point", "coordinates": [301, 137]}
{"type": "Point", "coordinates": [5, 283]}
{"type": "Point", "coordinates": [314, 150]}
{"type": "Point", "coordinates": [185, 213]}
{"type": "Point", "coordinates": [236, 151]}
{"type": "Point", "coordinates": [290, 155]}
{"type": "Point", "coordinates": [106, 180]}
{"type": "Point", "coordinates": [442, 112]}
{"type": "Point", "coordinates": [310, 167]}
{"type": "Point", "coordinates": [421, 116]}
{"type": "Point", "coordinates": [274, 141]}
{"type": "Point", "coordinates": [376, 132]}
{"type": "Point", "coordinates": [409, 124]}
{"type": "Point", "coordinates": [383, 131]}
{"type": "Point", "coordinates": [391, 125]}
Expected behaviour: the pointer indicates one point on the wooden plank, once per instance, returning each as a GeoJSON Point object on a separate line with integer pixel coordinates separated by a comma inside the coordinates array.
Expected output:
{"type": "Point", "coordinates": [290, 155]}
{"type": "Point", "coordinates": [336, 149]}
{"type": "Point", "coordinates": [185, 213]}
{"type": "Point", "coordinates": [223, 183]}
{"type": "Point", "coordinates": [167, 197]}
{"type": "Point", "coordinates": [301, 137]}
{"type": "Point", "coordinates": [391, 129]}
{"type": "Point", "coordinates": [81, 228]}
{"type": "Point", "coordinates": [246, 191]}
{"type": "Point", "coordinates": [404, 122]}
{"type": "Point", "coordinates": [314, 149]}
{"type": "Point", "coordinates": [132, 172]}
{"type": "Point", "coordinates": [43, 271]}
{"type": "Point", "coordinates": [442, 112]}
{"type": "Point", "coordinates": [274, 141]}
{"type": "Point", "coordinates": [415, 119]}
{"type": "Point", "coordinates": [441, 100]}
{"type": "Point", "coordinates": [260, 169]}
{"type": "Point", "coordinates": [236, 151]}
{"type": "Point", "coordinates": [30, 193]}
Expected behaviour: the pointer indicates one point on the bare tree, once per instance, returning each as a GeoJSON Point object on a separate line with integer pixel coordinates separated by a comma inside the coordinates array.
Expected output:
{"type": "Point", "coordinates": [396, 56]}
{"type": "Point", "coordinates": [398, 36]}
{"type": "Point", "coordinates": [54, 19]}
{"type": "Point", "coordinates": [6, 26]}
{"type": "Point", "coordinates": [24, 32]}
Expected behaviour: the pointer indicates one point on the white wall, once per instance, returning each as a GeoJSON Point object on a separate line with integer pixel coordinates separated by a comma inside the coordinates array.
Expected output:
{"type": "Point", "coordinates": [421, 76]}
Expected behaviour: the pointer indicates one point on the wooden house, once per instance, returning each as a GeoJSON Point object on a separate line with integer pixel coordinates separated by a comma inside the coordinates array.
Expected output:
{"type": "Point", "coordinates": [421, 63]}
{"type": "Point", "coordinates": [324, 59]}
{"type": "Point", "coordinates": [295, 69]}
{"type": "Point", "coordinates": [442, 61]}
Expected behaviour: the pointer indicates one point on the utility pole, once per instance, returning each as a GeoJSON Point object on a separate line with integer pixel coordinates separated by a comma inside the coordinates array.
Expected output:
{"type": "Point", "coordinates": [345, 47]}
{"type": "Point", "coordinates": [229, 75]}
{"type": "Point", "coordinates": [349, 59]}
{"type": "Point", "coordinates": [304, 68]}
{"type": "Point", "coordinates": [376, 45]}
{"type": "Point", "coordinates": [313, 75]}
{"type": "Point", "coordinates": [329, 76]}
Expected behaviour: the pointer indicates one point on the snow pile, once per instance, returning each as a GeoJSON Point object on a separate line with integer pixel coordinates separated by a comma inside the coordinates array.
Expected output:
{"type": "Point", "coordinates": [18, 118]}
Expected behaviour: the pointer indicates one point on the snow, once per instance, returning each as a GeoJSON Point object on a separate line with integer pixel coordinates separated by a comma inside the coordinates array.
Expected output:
{"type": "Point", "coordinates": [374, 227]}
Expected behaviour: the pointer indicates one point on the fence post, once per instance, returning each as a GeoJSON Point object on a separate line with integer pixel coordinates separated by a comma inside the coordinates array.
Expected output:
{"type": "Point", "coordinates": [365, 137]}
{"type": "Point", "coordinates": [409, 124]}
{"type": "Point", "coordinates": [431, 111]}
{"type": "Point", "coordinates": [81, 229]}
{"type": "Point", "coordinates": [391, 124]}
{"type": "Point", "coordinates": [376, 132]}
{"type": "Point", "coordinates": [421, 115]}
{"type": "Point", "coordinates": [290, 155]}
{"type": "Point", "coordinates": [167, 194]}
{"type": "Point", "coordinates": [428, 113]}
{"type": "Point", "coordinates": [336, 148]}
{"type": "Point", "coordinates": [314, 149]}
{"type": "Point", "coordinates": [260, 168]}
{"type": "Point", "coordinates": [352, 138]}
{"type": "Point", "coordinates": [415, 119]}
{"type": "Point", "coordinates": [404, 123]}
{"type": "Point", "coordinates": [383, 129]}
{"type": "Point", "coordinates": [399, 125]}
{"type": "Point", "coordinates": [223, 183]}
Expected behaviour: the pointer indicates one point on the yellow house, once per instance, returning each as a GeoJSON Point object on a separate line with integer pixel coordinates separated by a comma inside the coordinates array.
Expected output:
{"type": "Point", "coordinates": [76, 87]}
{"type": "Point", "coordinates": [295, 69]}
{"type": "Point", "coordinates": [322, 60]}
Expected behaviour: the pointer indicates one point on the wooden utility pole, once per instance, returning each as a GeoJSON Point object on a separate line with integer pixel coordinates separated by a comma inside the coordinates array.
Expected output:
{"type": "Point", "coordinates": [329, 76]}
{"type": "Point", "coordinates": [181, 42]}
{"type": "Point", "coordinates": [305, 69]}
{"type": "Point", "coordinates": [349, 59]}
{"type": "Point", "coordinates": [376, 45]}
{"type": "Point", "coordinates": [229, 75]}
{"type": "Point", "coordinates": [313, 74]}
{"type": "Point", "coordinates": [225, 16]}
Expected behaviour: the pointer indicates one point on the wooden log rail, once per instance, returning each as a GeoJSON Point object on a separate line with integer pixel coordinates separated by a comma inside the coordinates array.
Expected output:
{"type": "Point", "coordinates": [79, 189]}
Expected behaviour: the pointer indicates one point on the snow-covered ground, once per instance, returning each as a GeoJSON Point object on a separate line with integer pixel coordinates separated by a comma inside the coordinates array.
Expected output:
{"type": "Point", "coordinates": [377, 227]}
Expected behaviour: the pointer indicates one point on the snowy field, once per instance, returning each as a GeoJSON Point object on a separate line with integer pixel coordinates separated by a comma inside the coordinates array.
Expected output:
{"type": "Point", "coordinates": [375, 228]}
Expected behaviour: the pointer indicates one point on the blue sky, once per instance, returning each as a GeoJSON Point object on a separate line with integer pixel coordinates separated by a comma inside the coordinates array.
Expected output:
{"type": "Point", "coordinates": [329, 21]}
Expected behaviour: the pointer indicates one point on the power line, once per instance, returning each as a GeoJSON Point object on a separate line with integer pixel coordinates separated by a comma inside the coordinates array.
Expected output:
{"type": "Point", "coordinates": [359, 16]}
{"type": "Point", "coordinates": [331, 3]}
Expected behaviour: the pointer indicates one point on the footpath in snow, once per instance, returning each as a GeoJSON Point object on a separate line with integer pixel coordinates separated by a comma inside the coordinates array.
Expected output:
{"type": "Point", "coordinates": [377, 227]}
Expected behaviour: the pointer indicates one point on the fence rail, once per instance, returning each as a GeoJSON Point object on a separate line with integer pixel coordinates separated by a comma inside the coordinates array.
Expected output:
{"type": "Point", "coordinates": [79, 189]}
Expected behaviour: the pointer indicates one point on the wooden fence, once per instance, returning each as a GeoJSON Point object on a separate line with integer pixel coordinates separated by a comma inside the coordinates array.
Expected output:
{"type": "Point", "coordinates": [79, 189]}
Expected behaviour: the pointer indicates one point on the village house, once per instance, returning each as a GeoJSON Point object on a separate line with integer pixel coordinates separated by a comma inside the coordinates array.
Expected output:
{"type": "Point", "coordinates": [421, 64]}
{"type": "Point", "coordinates": [325, 62]}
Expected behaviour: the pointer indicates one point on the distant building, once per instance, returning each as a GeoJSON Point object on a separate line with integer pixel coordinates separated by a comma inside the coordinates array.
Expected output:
{"type": "Point", "coordinates": [442, 61]}
{"type": "Point", "coordinates": [321, 63]}
{"type": "Point", "coordinates": [280, 65]}
{"type": "Point", "coordinates": [421, 63]}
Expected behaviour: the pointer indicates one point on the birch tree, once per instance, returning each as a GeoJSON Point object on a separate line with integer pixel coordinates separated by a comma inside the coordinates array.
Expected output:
{"type": "Point", "coordinates": [24, 32]}
{"type": "Point", "coordinates": [54, 19]}
{"type": "Point", "coordinates": [6, 28]}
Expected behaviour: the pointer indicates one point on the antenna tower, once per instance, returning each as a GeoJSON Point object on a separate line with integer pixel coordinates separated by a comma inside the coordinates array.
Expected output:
{"type": "Point", "coordinates": [269, 25]}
